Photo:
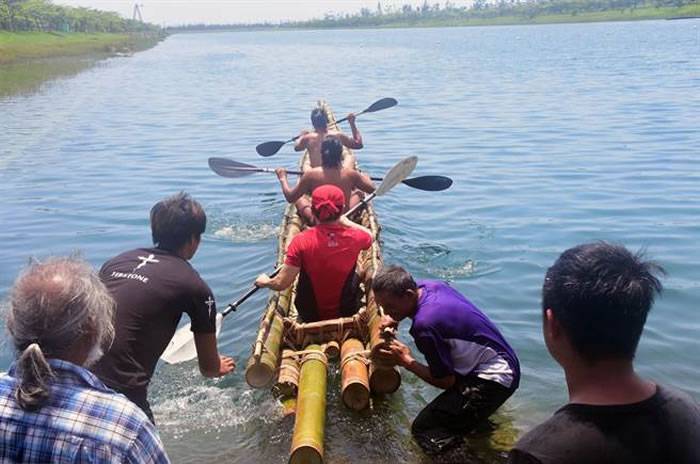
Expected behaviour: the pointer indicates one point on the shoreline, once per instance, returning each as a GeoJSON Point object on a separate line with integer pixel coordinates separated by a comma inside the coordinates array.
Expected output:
{"type": "Point", "coordinates": [30, 59]}
{"type": "Point", "coordinates": [627, 15]}
{"type": "Point", "coordinates": [22, 47]}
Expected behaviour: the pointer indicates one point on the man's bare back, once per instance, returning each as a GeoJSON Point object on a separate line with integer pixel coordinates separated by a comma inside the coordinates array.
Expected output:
{"type": "Point", "coordinates": [346, 179]}
{"type": "Point", "coordinates": [312, 141]}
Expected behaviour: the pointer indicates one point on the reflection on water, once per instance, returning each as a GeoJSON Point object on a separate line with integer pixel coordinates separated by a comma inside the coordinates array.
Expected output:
{"type": "Point", "coordinates": [29, 75]}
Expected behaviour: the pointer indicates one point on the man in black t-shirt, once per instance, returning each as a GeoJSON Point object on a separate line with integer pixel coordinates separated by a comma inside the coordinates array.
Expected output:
{"type": "Point", "coordinates": [152, 288]}
{"type": "Point", "coordinates": [595, 302]}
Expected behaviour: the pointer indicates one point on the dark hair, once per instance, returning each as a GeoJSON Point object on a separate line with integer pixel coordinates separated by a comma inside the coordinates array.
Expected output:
{"type": "Point", "coordinates": [175, 220]}
{"type": "Point", "coordinates": [331, 152]}
{"type": "Point", "coordinates": [330, 218]}
{"type": "Point", "coordinates": [601, 294]}
{"type": "Point", "coordinates": [393, 279]}
{"type": "Point", "coordinates": [319, 119]}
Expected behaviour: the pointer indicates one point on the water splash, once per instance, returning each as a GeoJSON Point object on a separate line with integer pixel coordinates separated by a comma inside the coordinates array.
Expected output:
{"type": "Point", "coordinates": [247, 233]}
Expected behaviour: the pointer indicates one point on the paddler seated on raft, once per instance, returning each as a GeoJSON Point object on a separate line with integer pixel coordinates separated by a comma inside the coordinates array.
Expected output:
{"type": "Point", "coordinates": [312, 140]}
{"type": "Point", "coordinates": [324, 258]}
{"type": "Point", "coordinates": [332, 172]}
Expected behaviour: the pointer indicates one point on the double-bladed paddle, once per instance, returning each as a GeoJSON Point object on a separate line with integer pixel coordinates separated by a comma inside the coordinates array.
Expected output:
{"type": "Point", "coordinates": [270, 148]}
{"type": "Point", "coordinates": [182, 347]}
{"type": "Point", "coordinates": [229, 168]}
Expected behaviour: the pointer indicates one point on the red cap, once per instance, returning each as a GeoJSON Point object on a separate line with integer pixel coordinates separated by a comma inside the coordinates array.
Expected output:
{"type": "Point", "coordinates": [328, 200]}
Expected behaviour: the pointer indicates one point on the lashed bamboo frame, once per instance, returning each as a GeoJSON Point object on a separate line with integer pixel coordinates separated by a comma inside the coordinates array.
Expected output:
{"type": "Point", "coordinates": [281, 312]}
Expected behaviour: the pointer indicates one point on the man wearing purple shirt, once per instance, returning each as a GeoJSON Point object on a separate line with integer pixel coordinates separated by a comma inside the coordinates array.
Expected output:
{"type": "Point", "coordinates": [466, 354]}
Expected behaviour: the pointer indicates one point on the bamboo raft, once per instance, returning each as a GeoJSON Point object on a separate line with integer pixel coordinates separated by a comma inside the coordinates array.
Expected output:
{"type": "Point", "coordinates": [292, 357]}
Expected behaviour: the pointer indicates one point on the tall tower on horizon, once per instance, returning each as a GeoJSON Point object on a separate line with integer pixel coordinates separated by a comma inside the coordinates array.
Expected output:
{"type": "Point", "coordinates": [137, 13]}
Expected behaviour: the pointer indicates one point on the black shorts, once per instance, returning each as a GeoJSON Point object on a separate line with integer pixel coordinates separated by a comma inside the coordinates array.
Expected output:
{"type": "Point", "coordinates": [457, 411]}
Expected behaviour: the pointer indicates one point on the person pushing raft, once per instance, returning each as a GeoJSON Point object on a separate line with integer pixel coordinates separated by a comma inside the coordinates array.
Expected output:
{"type": "Point", "coordinates": [152, 287]}
{"type": "Point", "coordinates": [324, 258]}
{"type": "Point", "coordinates": [332, 171]}
{"type": "Point", "coordinates": [466, 355]}
{"type": "Point", "coordinates": [312, 141]}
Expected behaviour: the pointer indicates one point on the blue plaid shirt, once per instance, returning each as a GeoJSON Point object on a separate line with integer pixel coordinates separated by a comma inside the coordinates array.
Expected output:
{"type": "Point", "coordinates": [82, 422]}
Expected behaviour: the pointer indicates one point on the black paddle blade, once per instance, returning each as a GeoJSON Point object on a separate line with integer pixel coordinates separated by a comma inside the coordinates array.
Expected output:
{"type": "Point", "coordinates": [229, 168]}
{"type": "Point", "coordinates": [381, 104]}
{"type": "Point", "coordinates": [429, 183]}
{"type": "Point", "coordinates": [269, 148]}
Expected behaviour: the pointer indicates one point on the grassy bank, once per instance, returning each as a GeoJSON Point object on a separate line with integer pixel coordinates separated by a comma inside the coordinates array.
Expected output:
{"type": "Point", "coordinates": [22, 46]}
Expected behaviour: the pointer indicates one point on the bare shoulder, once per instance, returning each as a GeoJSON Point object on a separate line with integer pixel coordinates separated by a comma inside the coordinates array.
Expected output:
{"type": "Point", "coordinates": [314, 173]}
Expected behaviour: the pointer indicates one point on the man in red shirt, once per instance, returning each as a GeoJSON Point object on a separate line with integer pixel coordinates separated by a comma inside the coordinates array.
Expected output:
{"type": "Point", "coordinates": [324, 258]}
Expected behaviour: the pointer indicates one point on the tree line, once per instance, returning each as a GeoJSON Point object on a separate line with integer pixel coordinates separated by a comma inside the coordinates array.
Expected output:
{"type": "Point", "coordinates": [42, 15]}
{"type": "Point", "coordinates": [448, 13]}
{"type": "Point", "coordinates": [480, 9]}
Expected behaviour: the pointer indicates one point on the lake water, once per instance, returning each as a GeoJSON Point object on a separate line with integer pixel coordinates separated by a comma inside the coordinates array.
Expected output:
{"type": "Point", "coordinates": [554, 135]}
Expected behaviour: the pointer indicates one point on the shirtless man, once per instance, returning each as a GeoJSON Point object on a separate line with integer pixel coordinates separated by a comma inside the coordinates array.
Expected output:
{"type": "Point", "coordinates": [312, 140]}
{"type": "Point", "coordinates": [332, 172]}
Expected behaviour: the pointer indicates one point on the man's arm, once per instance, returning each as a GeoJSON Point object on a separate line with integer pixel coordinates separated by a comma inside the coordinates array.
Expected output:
{"type": "Point", "coordinates": [354, 142]}
{"type": "Point", "coordinates": [211, 364]}
{"type": "Point", "coordinates": [292, 194]}
{"type": "Point", "coordinates": [301, 142]}
{"type": "Point", "coordinates": [401, 355]}
{"type": "Point", "coordinates": [348, 223]}
{"type": "Point", "coordinates": [281, 281]}
{"type": "Point", "coordinates": [363, 182]}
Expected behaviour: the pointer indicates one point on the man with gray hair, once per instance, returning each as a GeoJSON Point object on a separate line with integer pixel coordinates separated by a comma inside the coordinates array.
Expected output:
{"type": "Point", "coordinates": [52, 409]}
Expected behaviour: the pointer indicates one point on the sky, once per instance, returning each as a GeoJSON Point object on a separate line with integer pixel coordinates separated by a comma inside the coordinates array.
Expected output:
{"type": "Point", "coordinates": [176, 12]}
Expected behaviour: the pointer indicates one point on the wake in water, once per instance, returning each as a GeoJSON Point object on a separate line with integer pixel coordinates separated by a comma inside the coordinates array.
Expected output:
{"type": "Point", "coordinates": [243, 228]}
{"type": "Point", "coordinates": [436, 260]}
{"type": "Point", "coordinates": [246, 233]}
{"type": "Point", "coordinates": [212, 408]}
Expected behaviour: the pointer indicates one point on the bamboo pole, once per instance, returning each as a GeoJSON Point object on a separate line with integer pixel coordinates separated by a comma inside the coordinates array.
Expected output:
{"type": "Point", "coordinates": [354, 377]}
{"type": "Point", "coordinates": [287, 384]}
{"type": "Point", "coordinates": [332, 350]}
{"type": "Point", "coordinates": [383, 378]}
{"type": "Point", "coordinates": [260, 371]}
{"type": "Point", "coordinates": [288, 377]}
{"type": "Point", "coordinates": [307, 441]}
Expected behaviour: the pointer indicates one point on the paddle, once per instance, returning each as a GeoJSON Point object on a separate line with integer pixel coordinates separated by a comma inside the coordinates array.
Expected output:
{"type": "Point", "coordinates": [270, 148]}
{"type": "Point", "coordinates": [182, 347]}
{"type": "Point", "coordinates": [230, 168]}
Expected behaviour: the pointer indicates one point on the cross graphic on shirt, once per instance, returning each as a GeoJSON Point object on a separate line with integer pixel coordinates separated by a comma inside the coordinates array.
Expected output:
{"type": "Point", "coordinates": [145, 260]}
{"type": "Point", "coordinates": [209, 304]}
